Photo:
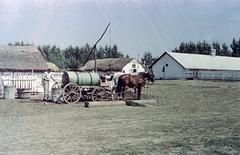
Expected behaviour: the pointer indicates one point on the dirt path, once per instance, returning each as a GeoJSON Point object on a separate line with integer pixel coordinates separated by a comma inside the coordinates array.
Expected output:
{"type": "Point", "coordinates": [193, 117]}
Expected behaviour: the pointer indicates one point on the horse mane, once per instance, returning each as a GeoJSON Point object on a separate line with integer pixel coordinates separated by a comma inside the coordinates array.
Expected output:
{"type": "Point", "coordinates": [147, 75]}
{"type": "Point", "coordinates": [142, 74]}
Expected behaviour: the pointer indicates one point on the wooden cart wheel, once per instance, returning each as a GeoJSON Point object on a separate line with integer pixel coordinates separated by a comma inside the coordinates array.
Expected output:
{"type": "Point", "coordinates": [71, 93]}
{"type": "Point", "coordinates": [99, 94]}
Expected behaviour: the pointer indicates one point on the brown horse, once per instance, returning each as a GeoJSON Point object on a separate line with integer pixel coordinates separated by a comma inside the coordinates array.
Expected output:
{"type": "Point", "coordinates": [133, 81]}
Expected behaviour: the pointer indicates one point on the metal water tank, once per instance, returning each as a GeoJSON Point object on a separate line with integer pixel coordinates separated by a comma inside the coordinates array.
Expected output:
{"type": "Point", "coordinates": [81, 78]}
{"type": "Point", "coordinates": [9, 92]}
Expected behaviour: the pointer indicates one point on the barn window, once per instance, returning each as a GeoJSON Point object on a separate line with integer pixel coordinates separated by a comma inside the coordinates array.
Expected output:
{"type": "Point", "coordinates": [134, 70]}
{"type": "Point", "coordinates": [133, 65]}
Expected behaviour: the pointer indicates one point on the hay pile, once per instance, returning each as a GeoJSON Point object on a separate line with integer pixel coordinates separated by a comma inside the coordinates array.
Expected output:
{"type": "Point", "coordinates": [52, 66]}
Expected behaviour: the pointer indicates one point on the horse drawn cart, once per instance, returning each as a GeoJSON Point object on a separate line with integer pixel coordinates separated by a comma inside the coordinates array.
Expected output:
{"type": "Point", "coordinates": [85, 86]}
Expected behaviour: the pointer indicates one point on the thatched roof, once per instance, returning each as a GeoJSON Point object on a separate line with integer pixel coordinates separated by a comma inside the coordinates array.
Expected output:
{"type": "Point", "coordinates": [109, 64]}
{"type": "Point", "coordinates": [52, 66]}
{"type": "Point", "coordinates": [21, 58]}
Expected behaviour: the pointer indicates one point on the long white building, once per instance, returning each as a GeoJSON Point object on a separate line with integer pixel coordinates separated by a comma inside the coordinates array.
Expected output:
{"type": "Point", "coordinates": [195, 66]}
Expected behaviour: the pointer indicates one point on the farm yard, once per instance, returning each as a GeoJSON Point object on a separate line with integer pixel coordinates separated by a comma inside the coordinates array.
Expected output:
{"type": "Point", "coordinates": [191, 117]}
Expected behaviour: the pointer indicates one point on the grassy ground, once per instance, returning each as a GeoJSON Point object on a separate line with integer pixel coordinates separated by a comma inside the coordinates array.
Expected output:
{"type": "Point", "coordinates": [192, 117]}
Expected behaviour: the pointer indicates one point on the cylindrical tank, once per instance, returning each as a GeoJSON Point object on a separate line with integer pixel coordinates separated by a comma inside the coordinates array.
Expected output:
{"type": "Point", "coordinates": [9, 92]}
{"type": "Point", "coordinates": [81, 78]}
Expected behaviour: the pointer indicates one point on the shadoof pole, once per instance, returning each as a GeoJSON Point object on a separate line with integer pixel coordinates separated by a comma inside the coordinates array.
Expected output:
{"type": "Point", "coordinates": [95, 60]}
{"type": "Point", "coordinates": [94, 50]}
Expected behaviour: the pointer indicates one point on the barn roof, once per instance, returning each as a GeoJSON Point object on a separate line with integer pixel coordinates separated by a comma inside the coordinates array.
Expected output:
{"type": "Point", "coordinates": [21, 58]}
{"type": "Point", "coordinates": [206, 62]}
{"type": "Point", "coordinates": [109, 64]}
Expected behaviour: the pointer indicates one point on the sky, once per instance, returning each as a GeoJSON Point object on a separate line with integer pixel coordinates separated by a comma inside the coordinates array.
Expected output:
{"type": "Point", "coordinates": [137, 26]}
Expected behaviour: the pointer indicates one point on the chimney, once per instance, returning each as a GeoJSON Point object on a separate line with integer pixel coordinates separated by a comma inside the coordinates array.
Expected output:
{"type": "Point", "coordinates": [213, 52]}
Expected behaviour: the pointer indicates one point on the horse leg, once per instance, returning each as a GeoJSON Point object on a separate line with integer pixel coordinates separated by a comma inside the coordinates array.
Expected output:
{"type": "Point", "coordinates": [135, 91]}
{"type": "Point", "coordinates": [139, 92]}
{"type": "Point", "coordinates": [118, 91]}
{"type": "Point", "coordinates": [123, 91]}
{"type": "Point", "coordinates": [119, 88]}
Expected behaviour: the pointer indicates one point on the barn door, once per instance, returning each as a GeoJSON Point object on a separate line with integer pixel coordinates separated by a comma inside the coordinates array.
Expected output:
{"type": "Point", "coordinates": [164, 68]}
{"type": "Point", "coordinates": [195, 74]}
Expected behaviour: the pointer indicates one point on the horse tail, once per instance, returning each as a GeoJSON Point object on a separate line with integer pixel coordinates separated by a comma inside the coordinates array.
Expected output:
{"type": "Point", "coordinates": [111, 78]}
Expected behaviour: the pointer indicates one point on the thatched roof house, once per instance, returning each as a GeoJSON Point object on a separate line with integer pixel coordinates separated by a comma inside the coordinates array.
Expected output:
{"type": "Point", "coordinates": [21, 58]}
{"type": "Point", "coordinates": [114, 65]}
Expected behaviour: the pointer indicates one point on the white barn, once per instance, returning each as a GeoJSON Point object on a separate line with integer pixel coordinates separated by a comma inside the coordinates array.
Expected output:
{"type": "Point", "coordinates": [195, 66]}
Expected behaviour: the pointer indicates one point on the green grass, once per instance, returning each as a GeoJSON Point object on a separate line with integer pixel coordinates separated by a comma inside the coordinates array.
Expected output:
{"type": "Point", "coordinates": [191, 117]}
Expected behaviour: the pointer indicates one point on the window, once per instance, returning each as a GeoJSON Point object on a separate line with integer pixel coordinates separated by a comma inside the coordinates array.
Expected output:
{"type": "Point", "coordinates": [133, 65]}
{"type": "Point", "coordinates": [134, 70]}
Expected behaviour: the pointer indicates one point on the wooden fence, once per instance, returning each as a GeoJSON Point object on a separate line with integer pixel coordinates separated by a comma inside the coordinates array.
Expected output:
{"type": "Point", "coordinates": [25, 80]}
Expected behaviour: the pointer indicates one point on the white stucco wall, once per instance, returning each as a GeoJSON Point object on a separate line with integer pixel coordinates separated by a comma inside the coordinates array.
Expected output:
{"type": "Point", "coordinates": [129, 68]}
{"type": "Point", "coordinates": [218, 75]}
{"type": "Point", "coordinates": [172, 69]}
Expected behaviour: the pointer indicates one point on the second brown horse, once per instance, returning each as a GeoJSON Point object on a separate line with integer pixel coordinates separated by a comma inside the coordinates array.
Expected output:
{"type": "Point", "coordinates": [133, 81]}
